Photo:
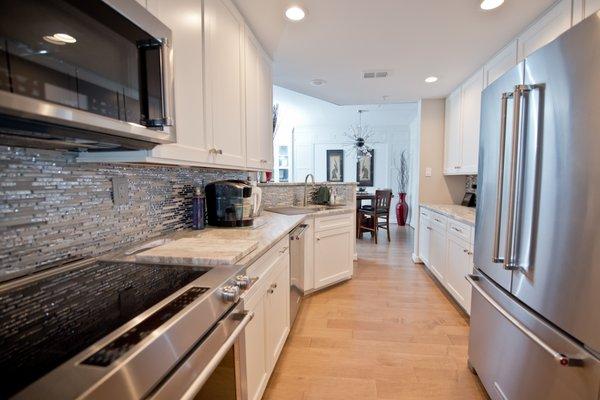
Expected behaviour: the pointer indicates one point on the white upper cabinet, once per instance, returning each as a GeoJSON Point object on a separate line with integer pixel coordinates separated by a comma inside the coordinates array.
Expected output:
{"type": "Point", "coordinates": [184, 17]}
{"type": "Point", "coordinates": [259, 89]}
{"type": "Point", "coordinates": [224, 78]}
{"type": "Point", "coordinates": [502, 62]}
{"type": "Point", "coordinates": [469, 120]}
{"type": "Point", "coordinates": [556, 21]}
{"type": "Point", "coordinates": [461, 142]}
{"type": "Point", "coordinates": [452, 140]}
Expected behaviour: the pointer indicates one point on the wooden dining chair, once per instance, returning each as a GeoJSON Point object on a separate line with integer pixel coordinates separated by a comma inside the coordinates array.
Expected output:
{"type": "Point", "coordinates": [376, 216]}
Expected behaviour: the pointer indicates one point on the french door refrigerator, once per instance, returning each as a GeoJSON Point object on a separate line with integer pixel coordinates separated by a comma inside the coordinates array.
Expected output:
{"type": "Point", "coordinates": [535, 313]}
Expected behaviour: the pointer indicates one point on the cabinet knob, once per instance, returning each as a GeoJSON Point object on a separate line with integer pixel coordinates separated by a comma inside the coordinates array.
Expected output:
{"type": "Point", "coordinates": [465, 251]}
{"type": "Point", "coordinates": [230, 294]}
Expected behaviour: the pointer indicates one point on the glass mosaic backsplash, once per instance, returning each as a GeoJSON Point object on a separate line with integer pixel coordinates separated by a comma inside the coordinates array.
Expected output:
{"type": "Point", "coordinates": [53, 209]}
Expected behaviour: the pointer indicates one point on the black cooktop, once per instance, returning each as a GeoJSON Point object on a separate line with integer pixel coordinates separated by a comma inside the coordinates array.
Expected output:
{"type": "Point", "coordinates": [45, 323]}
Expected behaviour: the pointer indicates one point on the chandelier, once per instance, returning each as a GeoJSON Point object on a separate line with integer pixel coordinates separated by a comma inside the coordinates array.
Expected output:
{"type": "Point", "coordinates": [359, 136]}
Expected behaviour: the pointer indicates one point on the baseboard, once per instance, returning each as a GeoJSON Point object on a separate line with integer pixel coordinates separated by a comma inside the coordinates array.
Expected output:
{"type": "Point", "coordinates": [355, 257]}
{"type": "Point", "coordinates": [416, 259]}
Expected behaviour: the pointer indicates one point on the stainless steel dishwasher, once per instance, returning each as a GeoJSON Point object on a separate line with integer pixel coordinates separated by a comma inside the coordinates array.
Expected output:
{"type": "Point", "coordinates": [296, 269]}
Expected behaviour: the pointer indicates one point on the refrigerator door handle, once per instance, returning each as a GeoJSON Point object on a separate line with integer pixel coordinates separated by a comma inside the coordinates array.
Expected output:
{"type": "Point", "coordinates": [510, 262]}
{"type": "Point", "coordinates": [560, 358]}
{"type": "Point", "coordinates": [500, 188]}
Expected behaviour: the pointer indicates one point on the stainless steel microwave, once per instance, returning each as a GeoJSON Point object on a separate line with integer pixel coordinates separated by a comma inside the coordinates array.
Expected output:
{"type": "Point", "coordinates": [84, 74]}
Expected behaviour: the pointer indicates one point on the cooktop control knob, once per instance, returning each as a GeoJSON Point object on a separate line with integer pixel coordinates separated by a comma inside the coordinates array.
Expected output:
{"type": "Point", "coordinates": [230, 293]}
{"type": "Point", "coordinates": [242, 281]}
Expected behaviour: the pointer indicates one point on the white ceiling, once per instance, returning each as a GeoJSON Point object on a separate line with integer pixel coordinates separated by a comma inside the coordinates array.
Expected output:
{"type": "Point", "coordinates": [411, 38]}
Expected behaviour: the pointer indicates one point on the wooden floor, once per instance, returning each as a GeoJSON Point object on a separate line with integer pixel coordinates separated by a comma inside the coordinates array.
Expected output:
{"type": "Point", "coordinates": [389, 333]}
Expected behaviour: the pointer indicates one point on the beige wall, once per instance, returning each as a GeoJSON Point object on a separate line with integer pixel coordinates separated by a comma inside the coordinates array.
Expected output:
{"type": "Point", "coordinates": [437, 188]}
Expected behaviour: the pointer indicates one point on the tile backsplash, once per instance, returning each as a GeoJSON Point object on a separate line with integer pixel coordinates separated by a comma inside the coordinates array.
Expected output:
{"type": "Point", "coordinates": [471, 180]}
{"type": "Point", "coordinates": [53, 209]}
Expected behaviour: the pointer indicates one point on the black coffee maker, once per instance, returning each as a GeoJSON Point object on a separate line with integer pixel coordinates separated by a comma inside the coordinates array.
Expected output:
{"type": "Point", "coordinates": [229, 203]}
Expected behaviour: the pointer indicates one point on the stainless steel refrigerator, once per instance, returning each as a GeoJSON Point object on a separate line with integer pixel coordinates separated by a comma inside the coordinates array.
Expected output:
{"type": "Point", "coordinates": [535, 313]}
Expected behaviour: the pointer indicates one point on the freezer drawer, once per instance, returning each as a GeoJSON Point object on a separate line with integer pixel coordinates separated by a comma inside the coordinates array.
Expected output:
{"type": "Point", "coordinates": [512, 365]}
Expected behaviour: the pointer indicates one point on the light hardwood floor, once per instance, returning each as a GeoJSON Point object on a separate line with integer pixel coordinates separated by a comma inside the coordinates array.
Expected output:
{"type": "Point", "coordinates": [389, 333]}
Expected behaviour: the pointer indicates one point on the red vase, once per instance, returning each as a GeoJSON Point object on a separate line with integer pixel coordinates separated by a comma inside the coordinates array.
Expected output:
{"type": "Point", "coordinates": [401, 210]}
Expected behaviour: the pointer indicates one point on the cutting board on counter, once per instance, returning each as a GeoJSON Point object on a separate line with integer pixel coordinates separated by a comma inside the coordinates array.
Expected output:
{"type": "Point", "coordinates": [199, 251]}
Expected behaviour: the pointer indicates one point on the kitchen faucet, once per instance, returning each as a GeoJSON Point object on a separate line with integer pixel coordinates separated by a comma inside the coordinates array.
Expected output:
{"type": "Point", "coordinates": [305, 187]}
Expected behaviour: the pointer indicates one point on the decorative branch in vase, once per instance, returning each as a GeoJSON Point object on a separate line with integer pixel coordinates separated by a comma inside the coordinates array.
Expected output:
{"type": "Point", "coordinates": [401, 168]}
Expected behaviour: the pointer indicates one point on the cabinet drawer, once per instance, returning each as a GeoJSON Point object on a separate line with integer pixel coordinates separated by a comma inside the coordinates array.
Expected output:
{"type": "Point", "coordinates": [261, 268]}
{"type": "Point", "coordinates": [333, 222]}
{"type": "Point", "coordinates": [460, 230]}
{"type": "Point", "coordinates": [438, 221]}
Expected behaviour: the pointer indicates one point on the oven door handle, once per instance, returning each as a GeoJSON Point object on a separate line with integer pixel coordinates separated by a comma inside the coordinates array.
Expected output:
{"type": "Point", "coordinates": [183, 382]}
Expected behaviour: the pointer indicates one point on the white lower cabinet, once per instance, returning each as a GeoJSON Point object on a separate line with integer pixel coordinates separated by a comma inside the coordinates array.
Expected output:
{"type": "Point", "coordinates": [446, 248]}
{"type": "Point", "coordinates": [257, 369]}
{"type": "Point", "coordinates": [265, 335]}
{"type": "Point", "coordinates": [278, 310]}
{"type": "Point", "coordinates": [458, 266]}
{"type": "Point", "coordinates": [437, 253]}
{"type": "Point", "coordinates": [424, 237]}
{"type": "Point", "coordinates": [333, 260]}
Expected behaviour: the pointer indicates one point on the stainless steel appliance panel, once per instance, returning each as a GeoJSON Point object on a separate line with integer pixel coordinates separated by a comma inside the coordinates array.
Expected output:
{"type": "Point", "coordinates": [297, 260]}
{"type": "Point", "coordinates": [557, 257]}
{"type": "Point", "coordinates": [512, 365]}
{"type": "Point", "coordinates": [495, 155]}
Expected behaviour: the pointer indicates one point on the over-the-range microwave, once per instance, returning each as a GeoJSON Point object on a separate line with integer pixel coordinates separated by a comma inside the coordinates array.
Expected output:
{"type": "Point", "coordinates": [84, 74]}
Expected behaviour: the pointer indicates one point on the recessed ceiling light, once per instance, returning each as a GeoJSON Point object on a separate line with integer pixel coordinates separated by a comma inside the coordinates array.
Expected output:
{"type": "Point", "coordinates": [318, 82]}
{"type": "Point", "coordinates": [431, 79]}
{"type": "Point", "coordinates": [491, 4]}
{"type": "Point", "coordinates": [53, 40]}
{"type": "Point", "coordinates": [60, 39]}
{"type": "Point", "coordinates": [63, 37]}
{"type": "Point", "coordinates": [295, 13]}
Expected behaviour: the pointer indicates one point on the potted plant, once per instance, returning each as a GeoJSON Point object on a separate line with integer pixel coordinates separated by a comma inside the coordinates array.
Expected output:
{"type": "Point", "coordinates": [402, 181]}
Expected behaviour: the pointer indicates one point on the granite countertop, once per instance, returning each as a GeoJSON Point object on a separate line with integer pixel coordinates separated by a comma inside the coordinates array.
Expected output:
{"type": "Point", "coordinates": [459, 213]}
{"type": "Point", "coordinates": [268, 229]}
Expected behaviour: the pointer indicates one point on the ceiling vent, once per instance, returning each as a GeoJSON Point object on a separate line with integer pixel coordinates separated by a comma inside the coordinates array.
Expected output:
{"type": "Point", "coordinates": [375, 74]}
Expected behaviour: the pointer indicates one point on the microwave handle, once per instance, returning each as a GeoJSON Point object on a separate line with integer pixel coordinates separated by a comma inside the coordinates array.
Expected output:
{"type": "Point", "coordinates": [168, 84]}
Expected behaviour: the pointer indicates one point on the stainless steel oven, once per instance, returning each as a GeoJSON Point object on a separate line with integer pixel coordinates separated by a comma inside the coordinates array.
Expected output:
{"type": "Point", "coordinates": [85, 74]}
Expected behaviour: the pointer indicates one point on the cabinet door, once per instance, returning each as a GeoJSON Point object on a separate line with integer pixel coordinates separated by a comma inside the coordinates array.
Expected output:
{"type": "Point", "coordinates": [470, 119]}
{"type": "Point", "coordinates": [437, 254]}
{"type": "Point", "coordinates": [253, 106]}
{"type": "Point", "coordinates": [458, 266]}
{"type": "Point", "coordinates": [424, 239]}
{"type": "Point", "coordinates": [452, 140]}
{"type": "Point", "coordinates": [502, 62]}
{"type": "Point", "coordinates": [333, 261]}
{"type": "Point", "coordinates": [590, 7]}
{"type": "Point", "coordinates": [265, 124]}
{"type": "Point", "coordinates": [224, 69]}
{"type": "Point", "coordinates": [278, 309]}
{"type": "Point", "coordinates": [256, 351]}
{"type": "Point", "coordinates": [556, 21]}
{"type": "Point", "coordinates": [184, 17]}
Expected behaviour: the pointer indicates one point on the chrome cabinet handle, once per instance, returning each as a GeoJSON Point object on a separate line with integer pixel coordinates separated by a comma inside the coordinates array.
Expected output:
{"type": "Point", "coordinates": [456, 229]}
{"type": "Point", "coordinates": [465, 251]}
{"type": "Point", "coordinates": [500, 179]}
{"type": "Point", "coordinates": [215, 151]}
{"type": "Point", "coordinates": [438, 220]}
{"type": "Point", "coordinates": [428, 228]}
{"type": "Point", "coordinates": [283, 250]}
{"type": "Point", "coordinates": [166, 62]}
{"type": "Point", "coordinates": [562, 359]}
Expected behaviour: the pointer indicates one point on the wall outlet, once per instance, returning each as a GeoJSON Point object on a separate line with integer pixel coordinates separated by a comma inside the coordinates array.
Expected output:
{"type": "Point", "coordinates": [120, 190]}
{"type": "Point", "coordinates": [428, 172]}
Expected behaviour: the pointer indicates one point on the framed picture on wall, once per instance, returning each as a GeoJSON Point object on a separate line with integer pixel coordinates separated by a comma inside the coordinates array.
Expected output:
{"type": "Point", "coordinates": [335, 165]}
{"type": "Point", "coordinates": [365, 169]}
